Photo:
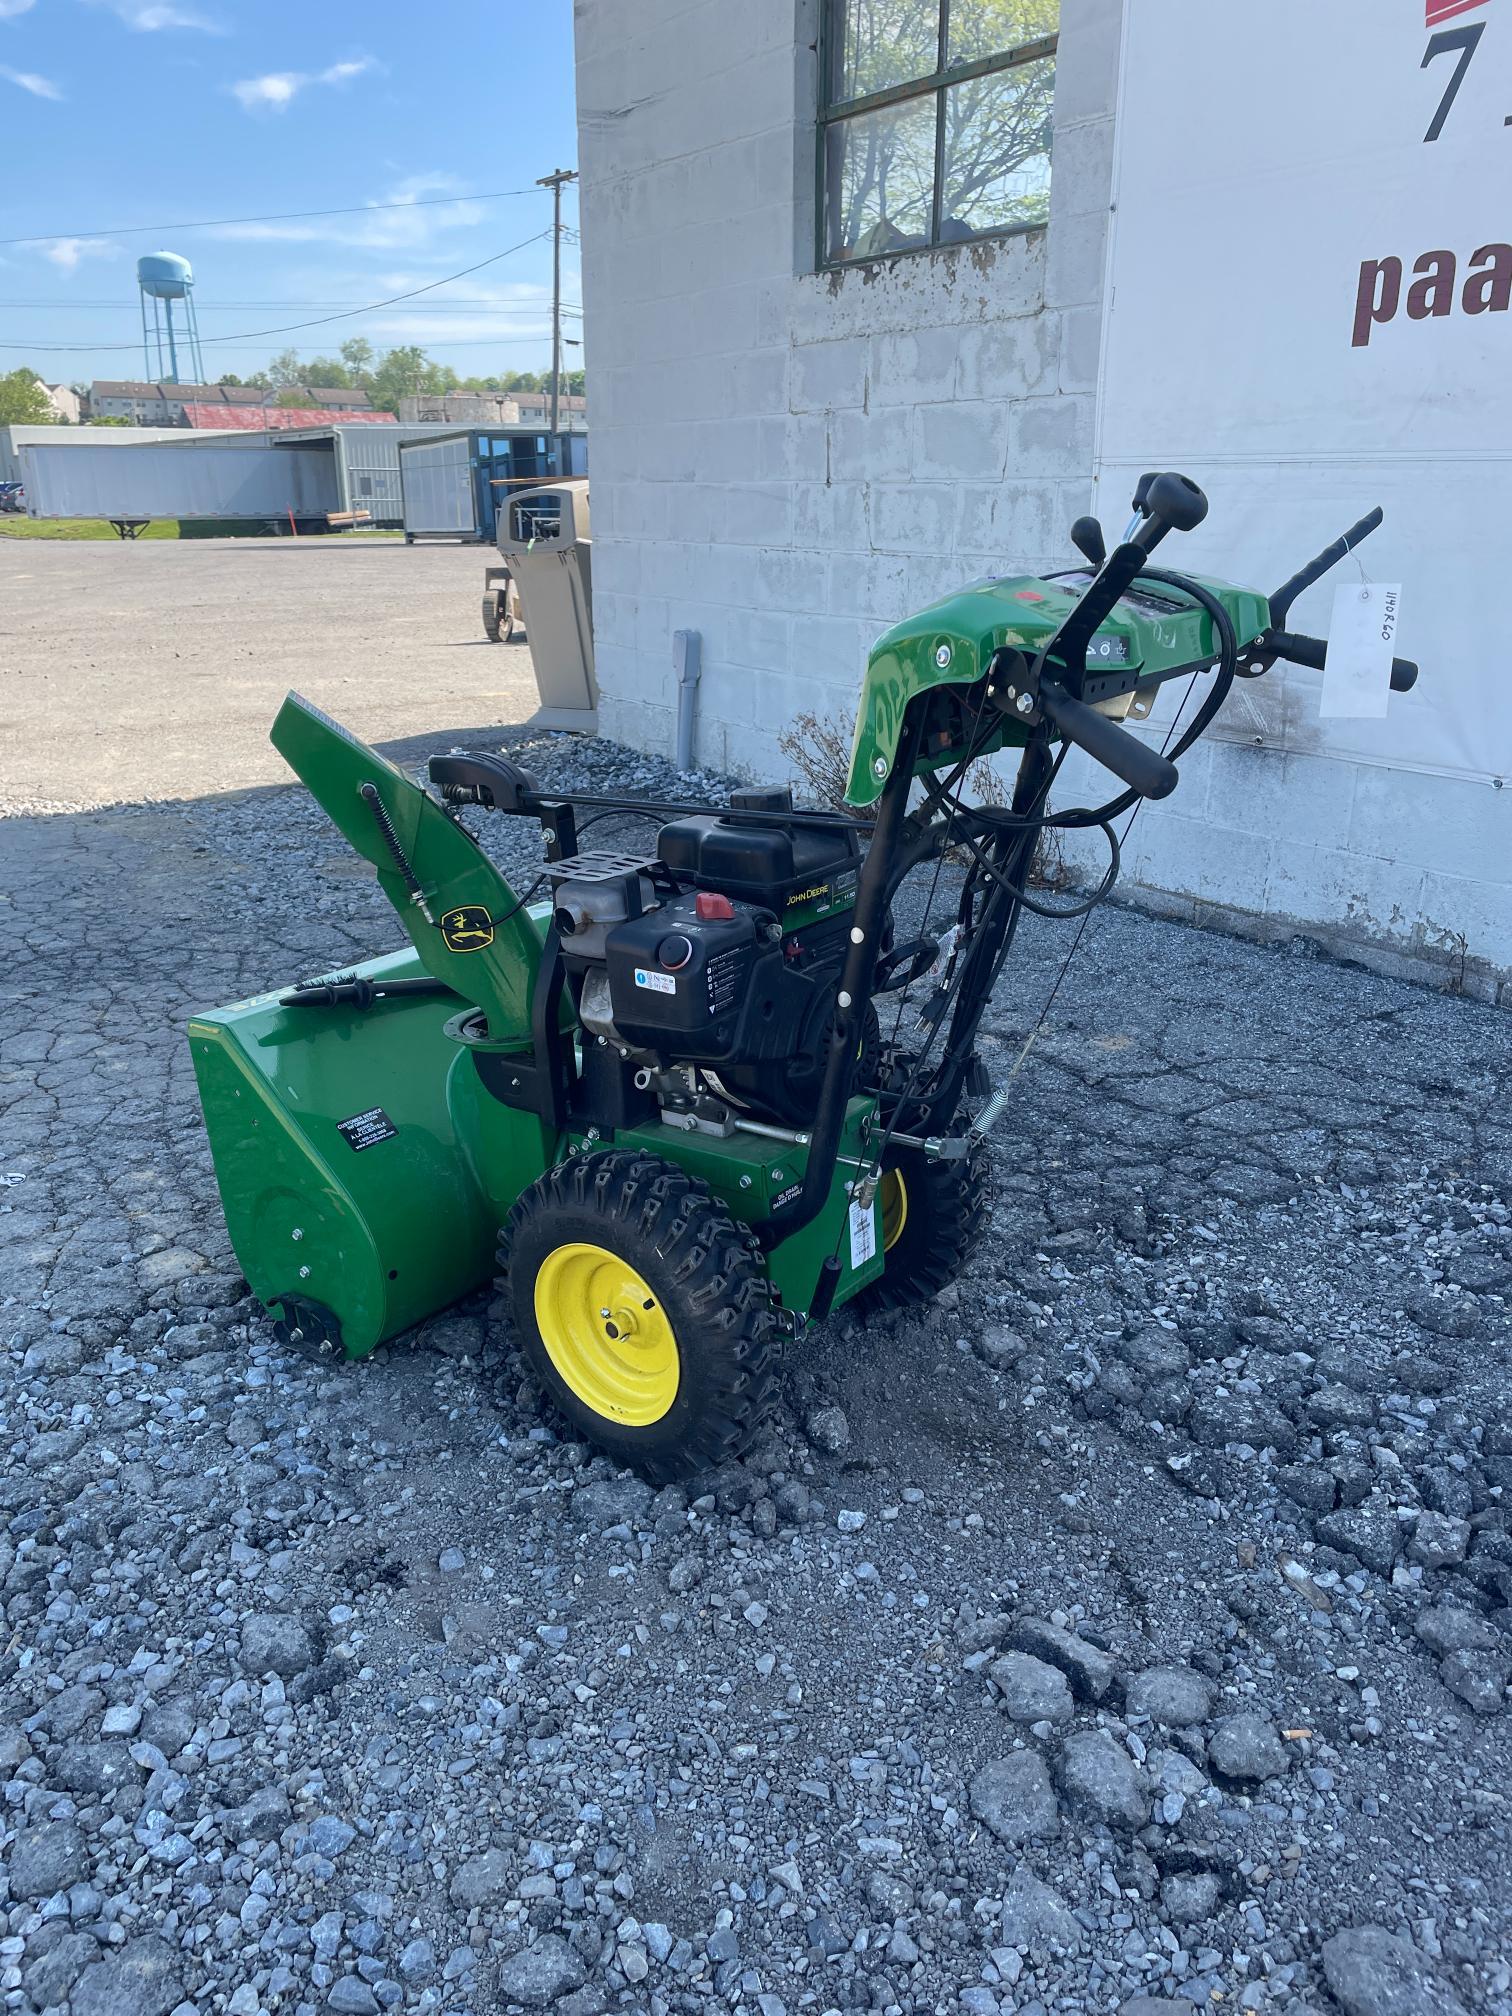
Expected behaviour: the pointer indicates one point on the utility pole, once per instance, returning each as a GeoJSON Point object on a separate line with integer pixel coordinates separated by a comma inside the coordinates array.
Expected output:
{"type": "Point", "coordinates": [554, 184]}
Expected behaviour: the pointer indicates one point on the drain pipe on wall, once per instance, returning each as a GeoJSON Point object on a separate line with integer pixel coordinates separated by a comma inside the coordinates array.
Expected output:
{"type": "Point", "coordinates": [687, 662]}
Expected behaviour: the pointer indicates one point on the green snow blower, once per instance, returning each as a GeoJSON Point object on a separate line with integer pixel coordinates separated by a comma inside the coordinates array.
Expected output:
{"type": "Point", "coordinates": [708, 1092]}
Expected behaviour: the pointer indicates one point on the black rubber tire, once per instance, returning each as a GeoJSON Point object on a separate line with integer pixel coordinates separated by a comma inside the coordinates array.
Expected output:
{"type": "Point", "coordinates": [948, 1207]}
{"type": "Point", "coordinates": [491, 618]}
{"type": "Point", "coordinates": [713, 1288]}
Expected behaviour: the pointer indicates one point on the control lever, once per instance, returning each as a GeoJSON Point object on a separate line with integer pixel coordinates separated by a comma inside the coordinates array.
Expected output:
{"type": "Point", "coordinates": [1087, 538]}
{"type": "Point", "coordinates": [1143, 769]}
{"type": "Point", "coordinates": [1167, 503]}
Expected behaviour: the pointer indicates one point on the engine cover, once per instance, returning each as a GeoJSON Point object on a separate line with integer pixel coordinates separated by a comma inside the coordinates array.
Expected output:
{"type": "Point", "coordinates": [698, 978]}
{"type": "Point", "coordinates": [706, 980]}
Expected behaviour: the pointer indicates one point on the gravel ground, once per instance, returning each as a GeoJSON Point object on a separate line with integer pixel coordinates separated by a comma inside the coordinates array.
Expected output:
{"type": "Point", "coordinates": [1133, 1623]}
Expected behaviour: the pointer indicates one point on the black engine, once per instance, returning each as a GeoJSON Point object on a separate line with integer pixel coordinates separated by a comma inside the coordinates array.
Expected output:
{"type": "Point", "coordinates": [723, 951]}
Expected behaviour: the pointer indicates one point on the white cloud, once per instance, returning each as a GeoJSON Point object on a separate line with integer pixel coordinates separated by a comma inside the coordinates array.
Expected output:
{"type": "Point", "coordinates": [28, 80]}
{"type": "Point", "coordinates": [67, 253]}
{"type": "Point", "coordinates": [151, 17]}
{"type": "Point", "coordinates": [9, 9]}
{"type": "Point", "coordinates": [277, 90]}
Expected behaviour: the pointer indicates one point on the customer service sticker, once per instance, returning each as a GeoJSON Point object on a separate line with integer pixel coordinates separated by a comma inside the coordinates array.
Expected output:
{"type": "Point", "coordinates": [1361, 642]}
{"type": "Point", "coordinates": [659, 983]}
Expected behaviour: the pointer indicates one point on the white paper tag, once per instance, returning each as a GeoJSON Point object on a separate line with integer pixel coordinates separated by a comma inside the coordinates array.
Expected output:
{"type": "Point", "coordinates": [1361, 643]}
{"type": "Point", "coordinates": [863, 1234]}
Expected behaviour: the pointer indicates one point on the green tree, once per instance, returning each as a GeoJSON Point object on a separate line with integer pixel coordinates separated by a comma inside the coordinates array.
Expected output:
{"type": "Point", "coordinates": [438, 378]}
{"type": "Point", "coordinates": [24, 401]}
{"type": "Point", "coordinates": [228, 378]}
{"type": "Point", "coordinates": [400, 374]}
{"type": "Point", "coordinates": [109, 420]}
{"type": "Point", "coordinates": [327, 371]}
{"type": "Point", "coordinates": [286, 369]}
{"type": "Point", "coordinates": [357, 355]}
{"type": "Point", "coordinates": [290, 396]}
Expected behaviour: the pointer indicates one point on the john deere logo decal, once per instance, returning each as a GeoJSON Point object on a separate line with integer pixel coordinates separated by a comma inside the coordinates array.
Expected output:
{"type": "Point", "coordinates": [468, 929]}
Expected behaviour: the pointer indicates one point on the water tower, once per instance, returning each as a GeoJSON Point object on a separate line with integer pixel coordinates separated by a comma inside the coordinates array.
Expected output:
{"type": "Point", "coordinates": [167, 284]}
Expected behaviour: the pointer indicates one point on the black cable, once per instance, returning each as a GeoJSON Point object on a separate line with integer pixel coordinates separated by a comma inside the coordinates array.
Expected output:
{"type": "Point", "coordinates": [901, 1103]}
{"type": "Point", "coordinates": [274, 217]}
{"type": "Point", "coordinates": [316, 322]}
{"type": "Point", "coordinates": [1065, 965]}
{"type": "Point", "coordinates": [520, 901]}
{"type": "Point", "coordinates": [1228, 665]}
{"type": "Point", "coordinates": [1099, 895]}
{"type": "Point", "coordinates": [616, 812]}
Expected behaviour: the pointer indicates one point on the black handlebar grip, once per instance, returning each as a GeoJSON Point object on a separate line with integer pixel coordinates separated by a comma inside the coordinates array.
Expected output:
{"type": "Point", "coordinates": [1144, 770]}
{"type": "Point", "coordinates": [1313, 651]}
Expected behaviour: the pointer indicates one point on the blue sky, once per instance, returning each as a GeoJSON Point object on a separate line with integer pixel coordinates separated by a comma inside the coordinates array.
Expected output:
{"type": "Point", "coordinates": [118, 113]}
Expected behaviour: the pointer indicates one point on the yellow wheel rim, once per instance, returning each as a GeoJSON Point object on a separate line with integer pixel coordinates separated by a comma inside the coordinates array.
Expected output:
{"type": "Point", "coordinates": [894, 1195]}
{"type": "Point", "coordinates": [607, 1334]}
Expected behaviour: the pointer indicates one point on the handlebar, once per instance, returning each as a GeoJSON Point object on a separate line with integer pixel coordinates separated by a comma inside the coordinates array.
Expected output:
{"type": "Point", "coordinates": [1143, 769]}
{"type": "Point", "coordinates": [1287, 593]}
{"type": "Point", "coordinates": [1311, 651]}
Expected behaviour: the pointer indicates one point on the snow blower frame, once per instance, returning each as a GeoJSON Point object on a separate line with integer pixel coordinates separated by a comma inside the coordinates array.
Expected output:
{"type": "Point", "coordinates": [661, 1105]}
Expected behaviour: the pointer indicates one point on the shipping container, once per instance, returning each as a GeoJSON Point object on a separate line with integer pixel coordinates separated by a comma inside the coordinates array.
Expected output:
{"type": "Point", "coordinates": [166, 480]}
{"type": "Point", "coordinates": [455, 487]}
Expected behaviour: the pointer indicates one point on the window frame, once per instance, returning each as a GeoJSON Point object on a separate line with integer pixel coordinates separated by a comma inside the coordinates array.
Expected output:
{"type": "Point", "coordinates": [833, 112]}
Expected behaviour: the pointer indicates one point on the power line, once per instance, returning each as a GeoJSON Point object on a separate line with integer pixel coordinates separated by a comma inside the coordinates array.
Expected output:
{"type": "Point", "coordinates": [454, 304]}
{"type": "Point", "coordinates": [316, 322]}
{"type": "Point", "coordinates": [274, 217]}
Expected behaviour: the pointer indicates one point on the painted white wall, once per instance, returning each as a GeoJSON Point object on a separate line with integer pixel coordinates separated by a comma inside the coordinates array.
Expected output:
{"type": "Point", "coordinates": [789, 461]}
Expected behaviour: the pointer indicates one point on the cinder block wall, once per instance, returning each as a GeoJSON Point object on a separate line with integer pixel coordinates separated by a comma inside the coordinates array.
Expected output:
{"type": "Point", "coordinates": [789, 461]}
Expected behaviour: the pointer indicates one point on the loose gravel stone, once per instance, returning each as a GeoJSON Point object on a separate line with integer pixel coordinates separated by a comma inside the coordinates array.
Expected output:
{"type": "Point", "coordinates": [1016, 1799]}
{"type": "Point", "coordinates": [1174, 1696]}
{"type": "Point", "coordinates": [1100, 1781]}
{"type": "Point", "coordinates": [47, 1858]}
{"type": "Point", "coordinates": [273, 1643]}
{"type": "Point", "coordinates": [1036, 1917]}
{"type": "Point", "coordinates": [1031, 1691]}
{"type": "Point", "coordinates": [1373, 1972]}
{"type": "Point", "coordinates": [143, 1978]}
{"type": "Point", "coordinates": [1439, 1541]}
{"type": "Point", "coordinates": [1247, 1748]}
{"type": "Point", "coordinates": [1191, 1898]}
{"type": "Point", "coordinates": [1479, 1679]}
{"type": "Point", "coordinates": [542, 1974]}
{"type": "Point", "coordinates": [1374, 1537]}
{"type": "Point", "coordinates": [828, 1429]}
{"type": "Point", "coordinates": [486, 1877]}
{"type": "Point", "coordinates": [1090, 1671]}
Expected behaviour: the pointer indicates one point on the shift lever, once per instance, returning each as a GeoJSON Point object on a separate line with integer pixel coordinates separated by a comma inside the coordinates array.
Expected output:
{"type": "Point", "coordinates": [1166, 503]}
{"type": "Point", "coordinates": [1087, 538]}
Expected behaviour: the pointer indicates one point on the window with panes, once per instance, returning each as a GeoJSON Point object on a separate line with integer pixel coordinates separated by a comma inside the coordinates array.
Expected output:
{"type": "Point", "coordinates": [934, 122]}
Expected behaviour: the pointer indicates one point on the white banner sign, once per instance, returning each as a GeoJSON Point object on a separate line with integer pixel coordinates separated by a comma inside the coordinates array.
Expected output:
{"type": "Point", "coordinates": [1309, 311]}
